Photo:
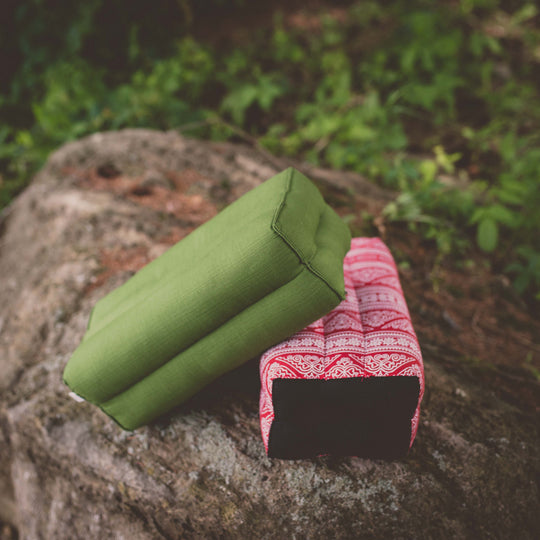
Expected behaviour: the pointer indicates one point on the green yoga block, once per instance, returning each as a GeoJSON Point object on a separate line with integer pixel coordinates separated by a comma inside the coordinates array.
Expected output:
{"type": "Point", "coordinates": [265, 267]}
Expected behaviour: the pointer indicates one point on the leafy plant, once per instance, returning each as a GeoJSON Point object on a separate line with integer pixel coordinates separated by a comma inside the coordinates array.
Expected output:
{"type": "Point", "coordinates": [438, 101]}
{"type": "Point", "coordinates": [526, 269]}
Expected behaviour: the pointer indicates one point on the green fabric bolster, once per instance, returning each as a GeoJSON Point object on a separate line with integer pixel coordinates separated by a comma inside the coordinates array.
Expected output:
{"type": "Point", "coordinates": [262, 269]}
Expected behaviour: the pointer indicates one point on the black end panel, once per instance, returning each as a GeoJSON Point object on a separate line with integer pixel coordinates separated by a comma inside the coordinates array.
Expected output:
{"type": "Point", "coordinates": [368, 418]}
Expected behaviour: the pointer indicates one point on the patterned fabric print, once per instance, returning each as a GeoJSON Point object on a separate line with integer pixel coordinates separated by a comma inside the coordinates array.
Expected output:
{"type": "Point", "coordinates": [368, 335]}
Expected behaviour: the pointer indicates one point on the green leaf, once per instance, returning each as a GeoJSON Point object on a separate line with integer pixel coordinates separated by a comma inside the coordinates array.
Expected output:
{"type": "Point", "coordinates": [238, 101]}
{"type": "Point", "coordinates": [487, 235]}
{"type": "Point", "coordinates": [478, 215]}
{"type": "Point", "coordinates": [428, 168]}
{"type": "Point", "coordinates": [528, 11]}
{"type": "Point", "coordinates": [501, 214]}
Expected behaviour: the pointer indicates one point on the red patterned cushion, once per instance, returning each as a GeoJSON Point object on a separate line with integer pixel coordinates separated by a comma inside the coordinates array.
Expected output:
{"type": "Point", "coordinates": [351, 383]}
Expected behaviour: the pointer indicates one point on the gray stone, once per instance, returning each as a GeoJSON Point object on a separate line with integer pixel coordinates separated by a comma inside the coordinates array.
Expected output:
{"type": "Point", "coordinates": [67, 471]}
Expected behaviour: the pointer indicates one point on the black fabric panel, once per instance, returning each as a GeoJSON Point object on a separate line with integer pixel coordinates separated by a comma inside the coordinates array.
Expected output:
{"type": "Point", "coordinates": [368, 418]}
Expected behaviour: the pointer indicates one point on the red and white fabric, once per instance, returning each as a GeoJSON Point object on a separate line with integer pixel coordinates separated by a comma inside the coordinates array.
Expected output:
{"type": "Point", "coordinates": [368, 335]}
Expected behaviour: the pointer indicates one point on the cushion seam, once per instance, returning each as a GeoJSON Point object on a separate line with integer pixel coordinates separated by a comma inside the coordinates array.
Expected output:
{"type": "Point", "coordinates": [292, 246]}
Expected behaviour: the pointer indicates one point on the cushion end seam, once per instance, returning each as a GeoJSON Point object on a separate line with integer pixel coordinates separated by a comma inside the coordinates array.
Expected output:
{"type": "Point", "coordinates": [275, 227]}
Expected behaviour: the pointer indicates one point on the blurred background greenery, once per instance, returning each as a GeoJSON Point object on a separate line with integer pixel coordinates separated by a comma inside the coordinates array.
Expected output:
{"type": "Point", "coordinates": [436, 100]}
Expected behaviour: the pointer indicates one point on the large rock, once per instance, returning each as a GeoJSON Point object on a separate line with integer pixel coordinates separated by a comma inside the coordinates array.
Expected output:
{"type": "Point", "coordinates": [99, 210]}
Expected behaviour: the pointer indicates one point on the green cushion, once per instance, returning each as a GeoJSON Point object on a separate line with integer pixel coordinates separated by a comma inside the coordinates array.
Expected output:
{"type": "Point", "coordinates": [265, 267]}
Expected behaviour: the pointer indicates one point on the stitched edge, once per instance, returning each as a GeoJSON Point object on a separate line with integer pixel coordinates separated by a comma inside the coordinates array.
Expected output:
{"type": "Point", "coordinates": [294, 248]}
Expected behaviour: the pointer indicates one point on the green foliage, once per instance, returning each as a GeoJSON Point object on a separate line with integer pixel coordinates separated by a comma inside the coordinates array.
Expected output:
{"type": "Point", "coordinates": [527, 269]}
{"type": "Point", "coordinates": [262, 91]}
{"type": "Point", "coordinates": [70, 106]}
{"type": "Point", "coordinates": [438, 101]}
{"type": "Point", "coordinates": [487, 234]}
{"type": "Point", "coordinates": [422, 63]}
